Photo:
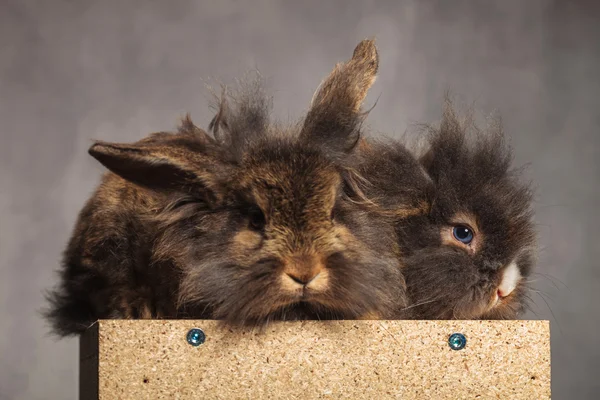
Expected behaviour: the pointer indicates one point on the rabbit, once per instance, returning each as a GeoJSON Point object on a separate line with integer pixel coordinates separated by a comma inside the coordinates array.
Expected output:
{"type": "Point", "coordinates": [469, 254]}
{"type": "Point", "coordinates": [247, 223]}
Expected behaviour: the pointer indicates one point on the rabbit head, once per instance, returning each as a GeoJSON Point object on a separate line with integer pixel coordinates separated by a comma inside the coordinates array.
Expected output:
{"type": "Point", "coordinates": [470, 256]}
{"type": "Point", "coordinates": [258, 220]}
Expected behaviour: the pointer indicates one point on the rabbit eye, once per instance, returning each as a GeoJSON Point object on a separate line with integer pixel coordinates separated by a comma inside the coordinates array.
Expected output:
{"type": "Point", "coordinates": [257, 219]}
{"type": "Point", "coordinates": [463, 234]}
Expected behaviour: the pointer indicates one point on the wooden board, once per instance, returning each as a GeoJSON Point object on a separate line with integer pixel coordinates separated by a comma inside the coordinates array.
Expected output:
{"type": "Point", "coordinates": [152, 359]}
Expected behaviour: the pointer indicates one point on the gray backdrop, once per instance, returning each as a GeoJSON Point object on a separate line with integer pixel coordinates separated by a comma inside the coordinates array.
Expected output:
{"type": "Point", "coordinates": [73, 71]}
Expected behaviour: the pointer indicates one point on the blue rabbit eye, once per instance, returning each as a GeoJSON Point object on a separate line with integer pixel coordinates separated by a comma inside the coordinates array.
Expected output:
{"type": "Point", "coordinates": [463, 234]}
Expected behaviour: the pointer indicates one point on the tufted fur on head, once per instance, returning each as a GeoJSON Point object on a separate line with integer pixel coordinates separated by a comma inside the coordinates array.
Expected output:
{"type": "Point", "coordinates": [470, 256]}
{"type": "Point", "coordinates": [254, 223]}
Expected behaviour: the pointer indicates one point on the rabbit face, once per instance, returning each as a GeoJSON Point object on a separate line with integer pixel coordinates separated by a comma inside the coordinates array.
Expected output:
{"type": "Point", "coordinates": [470, 257]}
{"type": "Point", "coordinates": [286, 243]}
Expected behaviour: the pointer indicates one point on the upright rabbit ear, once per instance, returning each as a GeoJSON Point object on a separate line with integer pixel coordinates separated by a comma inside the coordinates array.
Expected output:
{"type": "Point", "coordinates": [188, 128]}
{"type": "Point", "coordinates": [446, 142]}
{"type": "Point", "coordinates": [181, 163]}
{"type": "Point", "coordinates": [427, 159]}
{"type": "Point", "coordinates": [242, 113]}
{"type": "Point", "coordinates": [219, 125]}
{"type": "Point", "coordinates": [334, 117]}
{"type": "Point", "coordinates": [459, 148]}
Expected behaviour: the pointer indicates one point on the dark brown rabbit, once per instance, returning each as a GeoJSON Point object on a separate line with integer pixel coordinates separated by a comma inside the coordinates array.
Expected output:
{"type": "Point", "coordinates": [252, 224]}
{"type": "Point", "coordinates": [469, 256]}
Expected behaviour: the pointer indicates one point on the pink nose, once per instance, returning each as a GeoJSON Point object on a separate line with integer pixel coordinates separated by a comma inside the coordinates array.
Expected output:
{"type": "Point", "coordinates": [502, 294]}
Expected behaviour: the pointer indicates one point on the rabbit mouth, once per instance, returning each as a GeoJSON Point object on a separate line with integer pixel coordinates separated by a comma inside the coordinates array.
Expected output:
{"type": "Point", "coordinates": [509, 280]}
{"type": "Point", "coordinates": [307, 288]}
{"type": "Point", "coordinates": [307, 310]}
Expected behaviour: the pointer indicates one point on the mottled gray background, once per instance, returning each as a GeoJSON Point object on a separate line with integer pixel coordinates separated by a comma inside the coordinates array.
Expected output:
{"type": "Point", "coordinates": [73, 71]}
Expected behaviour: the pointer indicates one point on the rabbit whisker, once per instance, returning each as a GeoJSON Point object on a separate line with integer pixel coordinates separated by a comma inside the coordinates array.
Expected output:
{"type": "Point", "coordinates": [422, 303]}
{"type": "Point", "coordinates": [552, 279]}
{"type": "Point", "coordinates": [550, 309]}
{"type": "Point", "coordinates": [382, 325]}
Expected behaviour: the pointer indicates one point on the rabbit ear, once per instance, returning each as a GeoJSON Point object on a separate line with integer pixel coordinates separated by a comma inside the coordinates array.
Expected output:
{"type": "Point", "coordinates": [242, 113]}
{"type": "Point", "coordinates": [459, 148]}
{"type": "Point", "coordinates": [334, 117]}
{"type": "Point", "coordinates": [427, 159]}
{"type": "Point", "coordinates": [178, 164]}
{"type": "Point", "coordinates": [187, 127]}
{"type": "Point", "coordinates": [446, 142]}
{"type": "Point", "coordinates": [219, 125]}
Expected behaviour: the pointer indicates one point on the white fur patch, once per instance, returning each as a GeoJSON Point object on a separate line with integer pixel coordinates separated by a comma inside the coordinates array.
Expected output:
{"type": "Point", "coordinates": [510, 279]}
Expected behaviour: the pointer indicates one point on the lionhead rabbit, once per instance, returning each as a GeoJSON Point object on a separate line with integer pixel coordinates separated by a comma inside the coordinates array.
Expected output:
{"type": "Point", "coordinates": [252, 224]}
{"type": "Point", "coordinates": [464, 220]}
{"type": "Point", "coordinates": [470, 255]}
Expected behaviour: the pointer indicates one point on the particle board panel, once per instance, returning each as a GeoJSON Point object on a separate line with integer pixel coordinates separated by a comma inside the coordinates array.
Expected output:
{"type": "Point", "coordinates": [152, 359]}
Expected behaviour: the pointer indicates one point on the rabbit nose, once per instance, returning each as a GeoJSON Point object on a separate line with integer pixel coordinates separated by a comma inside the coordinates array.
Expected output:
{"type": "Point", "coordinates": [303, 279]}
{"type": "Point", "coordinates": [303, 269]}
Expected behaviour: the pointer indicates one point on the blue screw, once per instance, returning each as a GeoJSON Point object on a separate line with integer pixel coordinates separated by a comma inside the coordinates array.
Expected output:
{"type": "Point", "coordinates": [196, 337]}
{"type": "Point", "coordinates": [457, 341]}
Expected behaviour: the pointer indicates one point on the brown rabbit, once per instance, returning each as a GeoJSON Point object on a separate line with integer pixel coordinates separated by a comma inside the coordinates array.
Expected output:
{"type": "Point", "coordinates": [257, 223]}
{"type": "Point", "coordinates": [469, 255]}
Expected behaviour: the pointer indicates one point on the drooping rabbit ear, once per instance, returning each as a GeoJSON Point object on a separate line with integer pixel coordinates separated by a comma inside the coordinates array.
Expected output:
{"type": "Point", "coordinates": [334, 117]}
{"type": "Point", "coordinates": [177, 164]}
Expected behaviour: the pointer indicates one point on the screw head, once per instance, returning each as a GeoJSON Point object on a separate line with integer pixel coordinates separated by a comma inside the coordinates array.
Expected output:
{"type": "Point", "coordinates": [195, 337]}
{"type": "Point", "coordinates": [457, 341]}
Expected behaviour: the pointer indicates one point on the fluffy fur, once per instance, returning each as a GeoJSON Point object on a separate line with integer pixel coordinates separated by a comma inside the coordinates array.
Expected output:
{"type": "Point", "coordinates": [466, 180]}
{"type": "Point", "coordinates": [250, 224]}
